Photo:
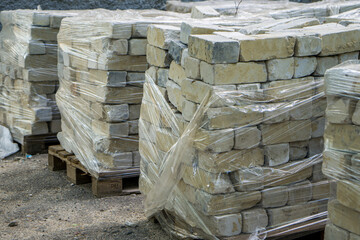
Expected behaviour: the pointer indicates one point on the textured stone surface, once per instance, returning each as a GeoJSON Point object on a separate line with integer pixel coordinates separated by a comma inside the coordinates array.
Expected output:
{"type": "Point", "coordinates": [344, 217]}
{"type": "Point", "coordinates": [254, 219]}
{"type": "Point", "coordinates": [279, 69]}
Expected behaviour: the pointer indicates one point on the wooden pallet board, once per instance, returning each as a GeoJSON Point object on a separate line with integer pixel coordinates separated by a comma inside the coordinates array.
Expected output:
{"type": "Point", "coordinates": [122, 182]}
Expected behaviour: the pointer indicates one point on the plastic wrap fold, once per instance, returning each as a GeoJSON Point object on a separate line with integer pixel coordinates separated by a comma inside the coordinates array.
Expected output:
{"type": "Point", "coordinates": [342, 148]}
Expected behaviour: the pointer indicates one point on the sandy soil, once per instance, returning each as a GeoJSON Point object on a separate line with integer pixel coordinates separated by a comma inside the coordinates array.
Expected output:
{"type": "Point", "coordinates": [43, 205]}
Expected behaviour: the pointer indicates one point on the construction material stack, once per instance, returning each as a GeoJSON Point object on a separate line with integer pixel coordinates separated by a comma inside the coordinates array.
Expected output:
{"type": "Point", "coordinates": [102, 63]}
{"type": "Point", "coordinates": [342, 149]}
{"type": "Point", "coordinates": [231, 139]}
{"type": "Point", "coordinates": [28, 74]}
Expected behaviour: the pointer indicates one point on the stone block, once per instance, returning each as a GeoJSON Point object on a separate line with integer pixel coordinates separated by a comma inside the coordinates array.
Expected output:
{"type": "Point", "coordinates": [344, 217]}
{"type": "Point", "coordinates": [348, 56]}
{"type": "Point", "coordinates": [200, 12]}
{"type": "Point", "coordinates": [36, 47]}
{"type": "Point", "coordinates": [214, 48]}
{"type": "Point", "coordinates": [214, 141]}
{"type": "Point", "coordinates": [276, 154]}
{"type": "Point", "coordinates": [219, 74]}
{"type": "Point", "coordinates": [111, 113]}
{"type": "Point", "coordinates": [108, 78]}
{"type": "Point", "coordinates": [316, 146]}
{"type": "Point", "coordinates": [225, 225]}
{"type": "Point", "coordinates": [300, 193]}
{"type": "Point", "coordinates": [318, 127]}
{"type": "Point", "coordinates": [123, 144]}
{"type": "Point", "coordinates": [122, 63]}
{"type": "Point", "coordinates": [301, 110]}
{"type": "Point", "coordinates": [349, 137]}
{"type": "Point", "coordinates": [333, 232]}
{"type": "Point", "coordinates": [276, 112]}
{"type": "Point", "coordinates": [161, 35]}
{"type": "Point", "coordinates": [254, 220]}
{"type": "Point", "coordinates": [110, 130]}
{"type": "Point", "coordinates": [274, 197]}
{"type": "Point", "coordinates": [192, 67]}
{"type": "Point", "coordinates": [188, 109]}
{"type": "Point", "coordinates": [280, 69]}
{"type": "Point", "coordinates": [336, 164]}
{"type": "Point", "coordinates": [324, 63]}
{"type": "Point", "coordinates": [298, 150]}
{"type": "Point", "coordinates": [134, 127]}
{"type": "Point", "coordinates": [247, 137]}
{"type": "Point", "coordinates": [174, 94]}
{"type": "Point", "coordinates": [176, 49]}
{"type": "Point", "coordinates": [317, 173]}
{"type": "Point", "coordinates": [304, 66]}
{"type": "Point", "coordinates": [135, 79]}
{"type": "Point", "coordinates": [157, 56]}
{"type": "Point", "coordinates": [137, 46]}
{"type": "Point", "coordinates": [163, 77]}
{"type": "Point", "coordinates": [195, 28]}
{"type": "Point", "coordinates": [307, 44]}
{"type": "Point", "coordinates": [356, 115]}
{"type": "Point", "coordinates": [321, 190]}
{"type": "Point", "coordinates": [348, 193]}
{"type": "Point", "coordinates": [340, 109]}
{"type": "Point", "coordinates": [176, 73]}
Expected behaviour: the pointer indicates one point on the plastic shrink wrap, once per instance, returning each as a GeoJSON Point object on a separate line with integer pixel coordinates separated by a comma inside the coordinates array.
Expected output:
{"type": "Point", "coordinates": [233, 148]}
{"type": "Point", "coordinates": [342, 149]}
{"type": "Point", "coordinates": [101, 66]}
{"type": "Point", "coordinates": [28, 72]}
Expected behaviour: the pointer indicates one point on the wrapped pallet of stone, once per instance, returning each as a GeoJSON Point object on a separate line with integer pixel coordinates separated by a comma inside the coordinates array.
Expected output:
{"type": "Point", "coordinates": [231, 130]}
{"type": "Point", "coordinates": [28, 73]}
{"type": "Point", "coordinates": [342, 149]}
{"type": "Point", "coordinates": [102, 63]}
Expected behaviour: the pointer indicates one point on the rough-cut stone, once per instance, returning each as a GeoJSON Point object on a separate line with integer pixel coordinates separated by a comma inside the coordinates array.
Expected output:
{"type": "Point", "coordinates": [340, 109]}
{"type": "Point", "coordinates": [280, 69]}
{"type": "Point", "coordinates": [348, 193]}
{"type": "Point", "coordinates": [174, 94]}
{"type": "Point", "coordinates": [188, 109]}
{"type": "Point", "coordinates": [274, 197]}
{"type": "Point", "coordinates": [176, 73]}
{"type": "Point", "coordinates": [336, 164]}
{"type": "Point", "coordinates": [218, 204]}
{"type": "Point", "coordinates": [200, 12]}
{"type": "Point", "coordinates": [247, 137]}
{"type": "Point", "coordinates": [356, 116]}
{"type": "Point", "coordinates": [333, 232]}
{"type": "Point", "coordinates": [321, 190]}
{"type": "Point", "coordinates": [348, 56]}
{"type": "Point", "coordinates": [215, 141]}
{"type": "Point", "coordinates": [304, 66]}
{"type": "Point", "coordinates": [349, 140]}
{"type": "Point", "coordinates": [324, 63]}
{"type": "Point", "coordinates": [317, 127]}
{"type": "Point", "coordinates": [231, 160]}
{"type": "Point", "coordinates": [316, 146]}
{"type": "Point", "coordinates": [298, 150]}
{"type": "Point", "coordinates": [301, 111]}
{"type": "Point", "coordinates": [290, 131]}
{"type": "Point", "coordinates": [161, 35]}
{"type": "Point", "coordinates": [344, 217]}
{"type": "Point", "coordinates": [225, 225]}
{"type": "Point", "coordinates": [137, 46]}
{"type": "Point", "coordinates": [214, 48]}
{"type": "Point", "coordinates": [307, 45]}
{"type": "Point", "coordinates": [276, 154]}
{"type": "Point", "coordinates": [157, 56]}
{"type": "Point", "coordinates": [192, 67]}
{"type": "Point", "coordinates": [241, 72]}
{"type": "Point", "coordinates": [300, 193]}
{"type": "Point", "coordinates": [196, 28]}
{"type": "Point", "coordinates": [254, 219]}
{"type": "Point", "coordinates": [176, 49]}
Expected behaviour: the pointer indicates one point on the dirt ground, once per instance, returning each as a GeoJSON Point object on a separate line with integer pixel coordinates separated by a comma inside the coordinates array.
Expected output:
{"type": "Point", "coordinates": [36, 203]}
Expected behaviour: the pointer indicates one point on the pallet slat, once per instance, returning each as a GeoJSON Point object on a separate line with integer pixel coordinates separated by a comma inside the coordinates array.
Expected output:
{"type": "Point", "coordinates": [106, 184]}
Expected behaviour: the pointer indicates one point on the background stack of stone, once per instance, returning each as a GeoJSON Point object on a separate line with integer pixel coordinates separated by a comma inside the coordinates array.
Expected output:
{"type": "Point", "coordinates": [342, 149]}
{"type": "Point", "coordinates": [231, 129]}
{"type": "Point", "coordinates": [101, 69]}
{"type": "Point", "coordinates": [28, 72]}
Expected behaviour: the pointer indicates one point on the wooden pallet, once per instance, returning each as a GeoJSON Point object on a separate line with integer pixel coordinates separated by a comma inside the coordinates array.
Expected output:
{"type": "Point", "coordinates": [121, 182]}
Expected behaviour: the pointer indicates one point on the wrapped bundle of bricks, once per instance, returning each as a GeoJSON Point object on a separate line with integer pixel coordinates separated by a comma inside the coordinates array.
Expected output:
{"type": "Point", "coordinates": [231, 130]}
{"type": "Point", "coordinates": [342, 149]}
{"type": "Point", "coordinates": [101, 74]}
{"type": "Point", "coordinates": [28, 74]}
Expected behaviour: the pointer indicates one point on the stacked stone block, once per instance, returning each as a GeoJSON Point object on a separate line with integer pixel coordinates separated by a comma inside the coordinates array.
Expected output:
{"type": "Point", "coordinates": [231, 128]}
{"type": "Point", "coordinates": [342, 150]}
{"type": "Point", "coordinates": [28, 71]}
{"type": "Point", "coordinates": [101, 67]}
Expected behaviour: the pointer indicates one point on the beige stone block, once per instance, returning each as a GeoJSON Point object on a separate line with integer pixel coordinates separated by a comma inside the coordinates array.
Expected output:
{"type": "Point", "coordinates": [110, 130]}
{"type": "Point", "coordinates": [274, 197]}
{"type": "Point", "coordinates": [280, 69]}
{"type": "Point", "coordinates": [157, 56]}
{"type": "Point", "coordinates": [192, 67]}
{"type": "Point", "coordinates": [41, 114]}
{"type": "Point", "coordinates": [276, 154]}
{"type": "Point", "coordinates": [290, 131]}
{"type": "Point", "coordinates": [333, 232]}
{"type": "Point", "coordinates": [137, 46]}
{"type": "Point", "coordinates": [36, 47]}
{"type": "Point", "coordinates": [247, 137]}
{"type": "Point", "coordinates": [307, 44]}
{"type": "Point", "coordinates": [318, 107]}
{"type": "Point", "coordinates": [282, 215]}
{"type": "Point", "coordinates": [317, 173]}
{"type": "Point", "coordinates": [165, 139]}
{"type": "Point", "coordinates": [318, 127]}
{"type": "Point", "coordinates": [349, 137]}
{"type": "Point", "coordinates": [214, 48]}
{"type": "Point", "coordinates": [196, 28]}
{"type": "Point", "coordinates": [111, 95]}
{"type": "Point", "coordinates": [316, 146]}
{"type": "Point", "coordinates": [344, 217]}
{"type": "Point", "coordinates": [321, 190]}
{"type": "Point", "coordinates": [235, 116]}
{"type": "Point", "coordinates": [110, 113]}
{"type": "Point", "coordinates": [162, 77]}
{"type": "Point", "coordinates": [55, 126]}
{"type": "Point", "coordinates": [300, 193]}
{"type": "Point", "coordinates": [44, 61]}
{"type": "Point", "coordinates": [134, 127]}
{"type": "Point", "coordinates": [324, 63]}
{"type": "Point", "coordinates": [213, 183]}
{"type": "Point", "coordinates": [348, 56]}
{"type": "Point", "coordinates": [188, 109]}
{"type": "Point", "coordinates": [135, 79]}
{"type": "Point", "coordinates": [225, 225]}
{"type": "Point", "coordinates": [356, 115]}
{"type": "Point", "coordinates": [231, 160]}
{"type": "Point", "coordinates": [200, 12]}
{"type": "Point", "coordinates": [219, 74]}
{"type": "Point", "coordinates": [340, 109]}
{"type": "Point", "coordinates": [301, 110]}
{"type": "Point", "coordinates": [123, 144]}
{"type": "Point", "coordinates": [226, 203]}
{"type": "Point", "coordinates": [276, 112]}
{"type": "Point", "coordinates": [304, 66]}
{"type": "Point", "coordinates": [263, 47]}
{"type": "Point", "coordinates": [195, 91]}
{"type": "Point", "coordinates": [44, 33]}
{"type": "Point", "coordinates": [298, 150]}
{"type": "Point", "coordinates": [176, 73]}
{"type": "Point", "coordinates": [253, 220]}
{"type": "Point", "coordinates": [161, 35]}
{"type": "Point", "coordinates": [122, 63]}
{"type": "Point", "coordinates": [336, 164]}
{"type": "Point", "coordinates": [175, 94]}
{"type": "Point", "coordinates": [348, 193]}
{"type": "Point", "coordinates": [214, 141]}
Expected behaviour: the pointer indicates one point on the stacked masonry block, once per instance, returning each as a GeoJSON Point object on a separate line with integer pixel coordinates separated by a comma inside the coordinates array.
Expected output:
{"type": "Point", "coordinates": [28, 72]}
{"type": "Point", "coordinates": [231, 128]}
{"type": "Point", "coordinates": [101, 86]}
{"type": "Point", "coordinates": [342, 150]}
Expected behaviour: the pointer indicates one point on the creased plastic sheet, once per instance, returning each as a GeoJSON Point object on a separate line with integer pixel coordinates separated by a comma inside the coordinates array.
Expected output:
{"type": "Point", "coordinates": [101, 65]}
{"type": "Point", "coordinates": [200, 183]}
{"type": "Point", "coordinates": [342, 148]}
{"type": "Point", "coordinates": [7, 147]}
{"type": "Point", "coordinates": [28, 71]}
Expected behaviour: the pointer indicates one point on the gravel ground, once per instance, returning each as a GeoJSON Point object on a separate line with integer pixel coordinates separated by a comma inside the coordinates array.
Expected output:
{"type": "Point", "coordinates": [36, 203]}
